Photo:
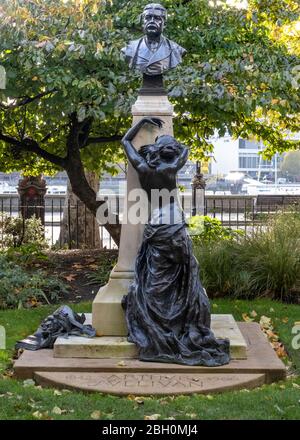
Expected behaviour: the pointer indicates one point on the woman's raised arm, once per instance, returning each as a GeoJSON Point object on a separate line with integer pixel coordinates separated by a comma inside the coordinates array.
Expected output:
{"type": "Point", "coordinates": [137, 161]}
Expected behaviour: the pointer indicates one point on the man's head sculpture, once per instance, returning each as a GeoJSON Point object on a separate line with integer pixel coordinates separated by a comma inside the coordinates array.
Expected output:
{"type": "Point", "coordinates": [153, 19]}
{"type": "Point", "coordinates": [153, 54]}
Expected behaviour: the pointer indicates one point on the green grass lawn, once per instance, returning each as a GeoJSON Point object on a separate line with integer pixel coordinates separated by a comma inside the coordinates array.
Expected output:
{"type": "Point", "coordinates": [277, 401]}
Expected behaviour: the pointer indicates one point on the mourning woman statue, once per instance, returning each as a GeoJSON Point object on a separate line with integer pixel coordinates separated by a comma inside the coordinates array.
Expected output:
{"type": "Point", "coordinates": [167, 309]}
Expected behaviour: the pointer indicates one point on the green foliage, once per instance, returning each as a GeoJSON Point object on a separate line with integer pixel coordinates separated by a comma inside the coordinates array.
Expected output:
{"type": "Point", "coordinates": [203, 228]}
{"type": "Point", "coordinates": [26, 254]}
{"type": "Point", "coordinates": [63, 57]}
{"type": "Point", "coordinates": [266, 263]}
{"type": "Point", "coordinates": [17, 231]}
{"type": "Point", "coordinates": [19, 288]}
{"type": "Point", "coordinates": [101, 275]}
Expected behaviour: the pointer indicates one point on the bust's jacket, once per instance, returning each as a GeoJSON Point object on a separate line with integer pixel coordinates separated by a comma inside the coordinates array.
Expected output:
{"type": "Point", "coordinates": [139, 56]}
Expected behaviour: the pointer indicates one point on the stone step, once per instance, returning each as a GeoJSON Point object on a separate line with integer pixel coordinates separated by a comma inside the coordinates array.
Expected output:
{"type": "Point", "coordinates": [261, 359]}
{"type": "Point", "coordinates": [146, 384]}
{"type": "Point", "coordinates": [223, 326]}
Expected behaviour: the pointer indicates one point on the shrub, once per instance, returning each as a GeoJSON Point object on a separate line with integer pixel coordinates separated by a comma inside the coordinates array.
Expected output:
{"type": "Point", "coordinates": [266, 263]}
{"type": "Point", "coordinates": [206, 229]}
{"type": "Point", "coordinates": [19, 288]}
{"type": "Point", "coordinates": [101, 275]}
{"type": "Point", "coordinates": [16, 231]}
{"type": "Point", "coordinates": [26, 254]}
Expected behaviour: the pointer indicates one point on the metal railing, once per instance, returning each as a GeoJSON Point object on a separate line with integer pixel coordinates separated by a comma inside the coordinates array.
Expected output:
{"type": "Point", "coordinates": [73, 226]}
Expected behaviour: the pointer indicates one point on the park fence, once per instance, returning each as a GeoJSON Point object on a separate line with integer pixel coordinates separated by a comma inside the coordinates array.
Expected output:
{"type": "Point", "coordinates": [241, 212]}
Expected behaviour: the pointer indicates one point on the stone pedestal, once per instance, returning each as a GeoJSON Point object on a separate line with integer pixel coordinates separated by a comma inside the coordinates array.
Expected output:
{"type": "Point", "coordinates": [103, 347]}
{"type": "Point", "coordinates": [108, 315]}
{"type": "Point", "coordinates": [130, 376]}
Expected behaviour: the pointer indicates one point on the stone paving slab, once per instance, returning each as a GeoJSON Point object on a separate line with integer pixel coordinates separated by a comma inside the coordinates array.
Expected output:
{"type": "Point", "coordinates": [261, 359]}
{"type": "Point", "coordinates": [223, 326]}
{"type": "Point", "coordinates": [141, 384]}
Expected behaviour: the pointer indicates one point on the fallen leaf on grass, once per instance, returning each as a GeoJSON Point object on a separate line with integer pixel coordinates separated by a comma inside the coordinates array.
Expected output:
{"type": "Point", "coordinates": [96, 415]}
{"type": "Point", "coordinates": [265, 322]}
{"type": "Point", "coordinates": [38, 415]}
{"type": "Point", "coordinates": [192, 416]}
{"type": "Point", "coordinates": [295, 385]}
{"type": "Point", "coordinates": [279, 348]}
{"type": "Point", "coordinates": [271, 335]}
{"type": "Point", "coordinates": [57, 393]}
{"type": "Point", "coordinates": [77, 266]}
{"type": "Point", "coordinates": [253, 314]}
{"type": "Point", "coordinates": [246, 318]}
{"type": "Point", "coordinates": [93, 266]}
{"type": "Point", "coordinates": [58, 411]}
{"type": "Point", "coordinates": [268, 329]}
{"type": "Point", "coordinates": [152, 417]}
{"type": "Point", "coordinates": [70, 277]}
{"type": "Point", "coordinates": [285, 320]}
{"type": "Point", "coordinates": [8, 374]}
{"type": "Point", "coordinates": [139, 400]}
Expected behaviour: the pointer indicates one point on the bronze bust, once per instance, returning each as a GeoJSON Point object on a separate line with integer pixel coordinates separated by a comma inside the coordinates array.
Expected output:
{"type": "Point", "coordinates": [153, 54]}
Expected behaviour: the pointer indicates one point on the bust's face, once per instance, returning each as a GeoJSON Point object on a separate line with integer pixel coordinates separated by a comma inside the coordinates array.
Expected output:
{"type": "Point", "coordinates": [153, 23]}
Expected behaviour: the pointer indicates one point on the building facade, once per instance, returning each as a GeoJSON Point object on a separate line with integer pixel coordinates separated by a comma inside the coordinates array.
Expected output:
{"type": "Point", "coordinates": [241, 155]}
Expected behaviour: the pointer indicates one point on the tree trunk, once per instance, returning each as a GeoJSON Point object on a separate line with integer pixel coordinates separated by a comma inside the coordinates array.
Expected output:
{"type": "Point", "coordinates": [79, 226]}
{"type": "Point", "coordinates": [79, 188]}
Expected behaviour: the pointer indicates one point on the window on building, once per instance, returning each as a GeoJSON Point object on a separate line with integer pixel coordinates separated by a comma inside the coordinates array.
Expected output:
{"type": "Point", "coordinates": [247, 162]}
{"type": "Point", "coordinates": [246, 144]}
{"type": "Point", "coordinates": [242, 143]}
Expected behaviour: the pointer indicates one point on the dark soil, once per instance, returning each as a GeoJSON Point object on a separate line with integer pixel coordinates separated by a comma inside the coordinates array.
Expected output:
{"type": "Point", "coordinates": [77, 269]}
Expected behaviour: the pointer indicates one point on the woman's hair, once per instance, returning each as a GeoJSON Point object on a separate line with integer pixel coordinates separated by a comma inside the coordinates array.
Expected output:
{"type": "Point", "coordinates": [151, 151]}
{"type": "Point", "coordinates": [148, 149]}
{"type": "Point", "coordinates": [166, 139]}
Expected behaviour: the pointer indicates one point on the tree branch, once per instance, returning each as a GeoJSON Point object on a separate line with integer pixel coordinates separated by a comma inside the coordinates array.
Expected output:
{"type": "Point", "coordinates": [103, 139]}
{"type": "Point", "coordinates": [30, 145]}
{"type": "Point", "coordinates": [50, 135]}
{"type": "Point", "coordinates": [26, 100]}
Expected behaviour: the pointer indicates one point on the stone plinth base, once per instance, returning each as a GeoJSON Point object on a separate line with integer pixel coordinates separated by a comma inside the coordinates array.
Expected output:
{"type": "Point", "coordinates": [131, 376]}
{"type": "Point", "coordinates": [108, 315]}
{"type": "Point", "coordinates": [223, 326]}
{"type": "Point", "coordinates": [96, 348]}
